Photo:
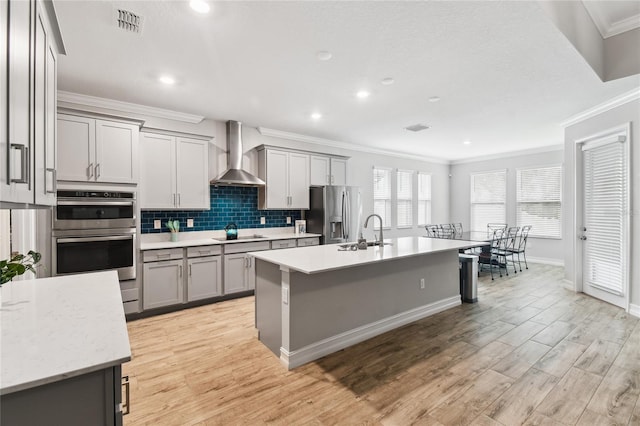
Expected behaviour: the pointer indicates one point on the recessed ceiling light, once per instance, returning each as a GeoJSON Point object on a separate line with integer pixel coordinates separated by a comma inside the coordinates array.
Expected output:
{"type": "Point", "coordinates": [167, 79]}
{"type": "Point", "coordinates": [387, 81]}
{"type": "Point", "coordinates": [467, 142]}
{"type": "Point", "coordinates": [323, 55]}
{"type": "Point", "coordinates": [316, 116]}
{"type": "Point", "coordinates": [199, 6]}
{"type": "Point", "coordinates": [362, 94]}
{"type": "Point", "coordinates": [434, 99]}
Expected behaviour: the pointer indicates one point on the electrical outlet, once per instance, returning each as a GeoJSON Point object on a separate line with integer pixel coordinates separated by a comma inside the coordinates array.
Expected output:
{"type": "Point", "coordinates": [189, 223]}
{"type": "Point", "coordinates": [157, 224]}
{"type": "Point", "coordinates": [421, 283]}
{"type": "Point", "coordinates": [263, 220]}
{"type": "Point", "coordinates": [288, 219]}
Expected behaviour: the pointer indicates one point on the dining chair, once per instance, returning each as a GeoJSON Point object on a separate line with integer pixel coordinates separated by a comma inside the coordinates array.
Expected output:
{"type": "Point", "coordinates": [446, 230]}
{"type": "Point", "coordinates": [521, 246]}
{"type": "Point", "coordinates": [507, 247]}
{"type": "Point", "coordinates": [432, 231]}
{"type": "Point", "coordinates": [457, 228]}
{"type": "Point", "coordinates": [491, 257]}
{"type": "Point", "coordinates": [493, 226]}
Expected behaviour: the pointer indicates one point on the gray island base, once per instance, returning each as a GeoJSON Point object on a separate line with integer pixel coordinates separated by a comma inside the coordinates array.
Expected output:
{"type": "Point", "coordinates": [313, 301]}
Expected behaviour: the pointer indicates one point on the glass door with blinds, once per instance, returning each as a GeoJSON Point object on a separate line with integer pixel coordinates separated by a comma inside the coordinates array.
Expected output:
{"type": "Point", "coordinates": [604, 233]}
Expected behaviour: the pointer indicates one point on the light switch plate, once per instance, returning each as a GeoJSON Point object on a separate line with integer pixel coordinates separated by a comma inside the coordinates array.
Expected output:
{"type": "Point", "coordinates": [288, 219]}
{"type": "Point", "coordinates": [157, 224]}
{"type": "Point", "coordinates": [263, 220]}
{"type": "Point", "coordinates": [189, 223]}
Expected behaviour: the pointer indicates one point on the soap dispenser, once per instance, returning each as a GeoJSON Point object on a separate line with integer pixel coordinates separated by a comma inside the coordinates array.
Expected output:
{"type": "Point", "coordinates": [362, 243]}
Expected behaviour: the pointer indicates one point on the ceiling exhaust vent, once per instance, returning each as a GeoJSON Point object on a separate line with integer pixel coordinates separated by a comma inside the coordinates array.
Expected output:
{"type": "Point", "coordinates": [128, 21]}
{"type": "Point", "coordinates": [417, 127]}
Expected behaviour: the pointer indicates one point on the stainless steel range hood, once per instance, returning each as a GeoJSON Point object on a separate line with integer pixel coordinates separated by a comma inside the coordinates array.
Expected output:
{"type": "Point", "coordinates": [234, 175]}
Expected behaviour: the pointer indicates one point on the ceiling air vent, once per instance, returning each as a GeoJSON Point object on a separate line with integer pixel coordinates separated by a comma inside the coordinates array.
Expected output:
{"type": "Point", "coordinates": [417, 127]}
{"type": "Point", "coordinates": [128, 21]}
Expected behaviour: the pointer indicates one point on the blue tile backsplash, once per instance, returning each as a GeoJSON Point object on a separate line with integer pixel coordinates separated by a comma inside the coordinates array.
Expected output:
{"type": "Point", "coordinates": [228, 204]}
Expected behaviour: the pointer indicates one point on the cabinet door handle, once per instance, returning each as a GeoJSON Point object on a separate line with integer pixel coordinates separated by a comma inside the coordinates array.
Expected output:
{"type": "Point", "coordinates": [174, 200]}
{"type": "Point", "coordinates": [24, 163]}
{"type": "Point", "coordinates": [127, 395]}
{"type": "Point", "coordinates": [54, 183]}
{"type": "Point", "coordinates": [189, 269]}
{"type": "Point", "coordinates": [97, 171]}
{"type": "Point", "coordinates": [180, 270]}
{"type": "Point", "coordinates": [178, 199]}
{"type": "Point", "coordinates": [90, 170]}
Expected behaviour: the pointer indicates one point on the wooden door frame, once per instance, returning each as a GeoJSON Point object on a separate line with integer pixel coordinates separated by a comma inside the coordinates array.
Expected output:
{"type": "Point", "coordinates": [578, 206]}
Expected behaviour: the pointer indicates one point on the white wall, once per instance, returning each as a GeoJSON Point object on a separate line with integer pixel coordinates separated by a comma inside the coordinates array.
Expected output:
{"type": "Point", "coordinates": [629, 112]}
{"type": "Point", "coordinates": [543, 249]}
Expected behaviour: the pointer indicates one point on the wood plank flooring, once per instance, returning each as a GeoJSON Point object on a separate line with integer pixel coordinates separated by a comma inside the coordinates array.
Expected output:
{"type": "Point", "coordinates": [530, 352]}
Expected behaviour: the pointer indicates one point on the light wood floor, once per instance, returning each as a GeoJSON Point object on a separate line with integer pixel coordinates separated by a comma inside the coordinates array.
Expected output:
{"type": "Point", "coordinates": [530, 352]}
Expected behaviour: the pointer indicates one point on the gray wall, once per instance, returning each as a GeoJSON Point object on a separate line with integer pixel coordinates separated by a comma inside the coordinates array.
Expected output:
{"type": "Point", "coordinates": [629, 112]}
{"type": "Point", "coordinates": [550, 250]}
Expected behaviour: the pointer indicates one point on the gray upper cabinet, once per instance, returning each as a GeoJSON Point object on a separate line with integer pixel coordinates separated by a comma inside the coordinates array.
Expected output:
{"type": "Point", "coordinates": [29, 51]}
{"type": "Point", "coordinates": [93, 150]}
{"type": "Point", "coordinates": [174, 172]}
{"type": "Point", "coordinates": [326, 170]}
{"type": "Point", "coordinates": [286, 174]}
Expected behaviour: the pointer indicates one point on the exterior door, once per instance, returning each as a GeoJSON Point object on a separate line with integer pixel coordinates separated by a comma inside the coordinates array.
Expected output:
{"type": "Point", "coordinates": [604, 233]}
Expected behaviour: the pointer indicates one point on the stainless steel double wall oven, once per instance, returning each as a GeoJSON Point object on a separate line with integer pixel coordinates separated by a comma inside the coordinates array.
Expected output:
{"type": "Point", "coordinates": [94, 231]}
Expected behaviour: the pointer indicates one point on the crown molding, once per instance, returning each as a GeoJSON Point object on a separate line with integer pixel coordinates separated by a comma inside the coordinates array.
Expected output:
{"type": "Point", "coordinates": [343, 145]}
{"type": "Point", "coordinates": [608, 29]}
{"type": "Point", "coordinates": [110, 104]}
{"type": "Point", "coordinates": [542, 149]}
{"type": "Point", "coordinates": [632, 95]}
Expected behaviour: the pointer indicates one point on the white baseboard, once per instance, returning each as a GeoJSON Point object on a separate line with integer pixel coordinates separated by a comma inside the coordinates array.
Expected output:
{"type": "Point", "coordinates": [348, 338]}
{"type": "Point", "coordinates": [545, 261]}
{"type": "Point", "coordinates": [568, 284]}
{"type": "Point", "coordinates": [634, 310]}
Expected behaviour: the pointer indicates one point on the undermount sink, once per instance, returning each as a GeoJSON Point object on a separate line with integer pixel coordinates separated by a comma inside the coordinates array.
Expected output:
{"type": "Point", "coordinates": [251, 237]}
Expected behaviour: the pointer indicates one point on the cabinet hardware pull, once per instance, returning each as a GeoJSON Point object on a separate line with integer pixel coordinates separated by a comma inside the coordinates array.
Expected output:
{"type": "Point", "coordinates": [174, 200]}
{"type": "Point", "coordinates": [178, 199]}
{"type": "Point", "coordinates": [189, 269]}
{"type": "Point", "coordinates": [162, 255]}
{"type": "Point", "coordinates": [54, 178]}
{"type": "Point", "coordinates": [127, 395]}
{"type": "Point", "coordinates": [24, 163]}
{"type": "Point", "coordinates": [181, 270]}
{"type": "Point", "coordinates": [90, 170]}
{"type": "Point", "coordinates": [97, 171]}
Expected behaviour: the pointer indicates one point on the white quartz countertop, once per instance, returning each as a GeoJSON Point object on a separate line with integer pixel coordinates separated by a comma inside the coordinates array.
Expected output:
{"type": "Point", "coordinates": [315, 259]}
{"type": "Point", "coordinates": [55, 328]}
{"type": "Point", "coordinates": [192, 242]}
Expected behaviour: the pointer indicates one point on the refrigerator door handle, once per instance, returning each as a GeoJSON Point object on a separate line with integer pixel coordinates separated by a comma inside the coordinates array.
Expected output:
{"type": "Point", "coordinates": [346, 217]}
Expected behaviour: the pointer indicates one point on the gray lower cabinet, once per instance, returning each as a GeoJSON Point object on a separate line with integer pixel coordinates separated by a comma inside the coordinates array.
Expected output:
{"type": "Point", "coordinates": [162, 284]}
{"type": "Point", "coordinates": [204, 277]}
{"type": "Point", "coordinates": [89, 399]}
{"type": "Point", "coordinates": [236, 277]}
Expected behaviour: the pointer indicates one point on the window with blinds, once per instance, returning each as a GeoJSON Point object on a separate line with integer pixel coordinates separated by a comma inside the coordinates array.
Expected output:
{"type": "Point", "coordinates": [382, 194]}
{"type": "Point", "coordinates": [539, 200]}
{"type": "Point", "coordinates": [605, 207]}
{"type": "Point", "coordinates": [404, 205]}
{"type": "Point", "coordinates": [488, 197]}
{"type": "Point", "coordinates": [424, 198]}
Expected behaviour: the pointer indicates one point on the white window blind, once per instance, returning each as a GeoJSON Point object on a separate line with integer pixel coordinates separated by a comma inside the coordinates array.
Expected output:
{"type": "Point", "coordinates": [539, 200]}
{"type": "Point", "coordinates": [404, 206]}
{"type": "Point", "coordinates": [382, 194]}
{"type": "Point", "coordinates": [424, 198]}
{"type": "Point", "coordinates": [605, 204]}
{"type": "Point", "coordinates": [488, 193]}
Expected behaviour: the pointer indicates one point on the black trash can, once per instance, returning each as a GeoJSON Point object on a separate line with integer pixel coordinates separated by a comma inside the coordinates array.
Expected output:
{"type": "Point", "coordinates": [468, 277]}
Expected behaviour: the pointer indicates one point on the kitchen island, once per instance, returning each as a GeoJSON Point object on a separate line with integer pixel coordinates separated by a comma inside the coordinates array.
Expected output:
{"type": "Point", "coordinates": [63, 340]}
{"type": "Point", "coordinates": [314, 301]}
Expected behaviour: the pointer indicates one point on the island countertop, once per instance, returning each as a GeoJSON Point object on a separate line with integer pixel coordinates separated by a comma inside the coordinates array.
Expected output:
{"type": "Point", "coordinates": [315, 259]}
{"type": "Point", "coordinates": [55, 328]}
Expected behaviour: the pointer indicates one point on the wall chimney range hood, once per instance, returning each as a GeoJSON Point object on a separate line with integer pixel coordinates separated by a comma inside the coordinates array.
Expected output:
{"type": "Point", "coordinates": [234, 175]}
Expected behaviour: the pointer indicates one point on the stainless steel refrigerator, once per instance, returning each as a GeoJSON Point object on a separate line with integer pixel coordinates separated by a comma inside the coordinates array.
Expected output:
{"type": "Point", "coordinates": [335, 212]}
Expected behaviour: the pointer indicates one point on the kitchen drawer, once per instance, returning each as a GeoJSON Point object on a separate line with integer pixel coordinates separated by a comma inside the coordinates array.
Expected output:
{"type": "Point", "coordinates": [281, 244]}
{"type": "Point", "coordinates": [131, 307]}
{"type": "Point", "coordinates": [129, 295]}
{"type": "Point", "coordinates": [164, 254]}
{"type": "Point", "coordinates": [200, 251]}
{"type": "Point", "coordinates": [309, 241]}
{"type": "Point", "coordinates": [245, 247]}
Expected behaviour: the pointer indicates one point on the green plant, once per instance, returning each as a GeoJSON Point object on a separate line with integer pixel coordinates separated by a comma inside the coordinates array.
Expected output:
{"type": "Point", "coordinates": [18, 265]}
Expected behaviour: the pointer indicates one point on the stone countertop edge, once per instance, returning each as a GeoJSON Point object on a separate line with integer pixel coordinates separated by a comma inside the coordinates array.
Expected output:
{"type": "Point", "coordinates": [214, 241]}
{"type": "Point", "coordinates": [60, 327]}
{"type": "Point", "coordinates": [325, 258]}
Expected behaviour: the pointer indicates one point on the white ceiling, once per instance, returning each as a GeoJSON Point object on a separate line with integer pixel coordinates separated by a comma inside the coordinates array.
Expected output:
{"type": "Point", "coordinates": [505, 75]}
